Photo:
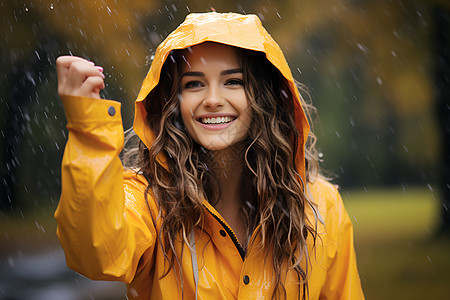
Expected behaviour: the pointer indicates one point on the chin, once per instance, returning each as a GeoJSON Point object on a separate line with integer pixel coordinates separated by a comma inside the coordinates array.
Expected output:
{"type": "Point", "coordinates": [236, 145]}
{"type": "Point", "coordinates": [215, 146]}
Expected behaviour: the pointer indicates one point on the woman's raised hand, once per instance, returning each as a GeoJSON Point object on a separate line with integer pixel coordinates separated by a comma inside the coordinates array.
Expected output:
{"type": "Point", "coordinates": [79, 77]}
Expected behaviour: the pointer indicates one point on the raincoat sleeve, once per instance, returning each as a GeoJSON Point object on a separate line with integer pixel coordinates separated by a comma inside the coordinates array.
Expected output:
{"type": "Point", "coordinates": [102, 237]}
{"type": "Point", "coordinates": [342, 279]}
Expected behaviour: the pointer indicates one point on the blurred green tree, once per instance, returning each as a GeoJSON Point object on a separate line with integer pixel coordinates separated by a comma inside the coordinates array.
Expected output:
{"type": "Point", "coordinates": [33, 35]}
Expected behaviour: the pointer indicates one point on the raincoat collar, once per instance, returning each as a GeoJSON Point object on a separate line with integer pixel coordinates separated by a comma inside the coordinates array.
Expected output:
{"type": "Point", "coordinates": [244, 31]}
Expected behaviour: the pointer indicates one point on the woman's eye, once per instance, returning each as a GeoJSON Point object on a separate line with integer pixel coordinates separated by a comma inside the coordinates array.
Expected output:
{"type": "Point", "coordinates": [193, 84]}
{"type": "Point", "coordinates": [233, 82]}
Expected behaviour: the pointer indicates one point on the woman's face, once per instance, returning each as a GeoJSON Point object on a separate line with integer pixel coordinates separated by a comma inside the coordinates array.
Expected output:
{"type": "Point", "coordinates": [213, 103]}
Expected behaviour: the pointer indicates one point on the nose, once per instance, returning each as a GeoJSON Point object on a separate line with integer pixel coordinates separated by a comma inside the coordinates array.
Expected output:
{"type": "Point", "coordinates": [213, 97]}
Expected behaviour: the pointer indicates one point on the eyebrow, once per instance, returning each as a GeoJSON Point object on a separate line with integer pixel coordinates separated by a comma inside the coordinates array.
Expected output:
{"type": "Point", "coordinates": [231, 71]}
{"type": "Point", "coordinates": [225, 72]}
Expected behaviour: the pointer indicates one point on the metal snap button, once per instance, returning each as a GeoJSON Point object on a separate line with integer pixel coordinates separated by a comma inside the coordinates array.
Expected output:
{"type": "Point", "coordinates": [111, 111]}
{"type": "Point", "coordinates": [246, 279]}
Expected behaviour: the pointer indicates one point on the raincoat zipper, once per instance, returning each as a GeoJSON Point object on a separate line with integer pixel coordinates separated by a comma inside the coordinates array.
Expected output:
{"type": "Point", "coordinates": [230, 233]}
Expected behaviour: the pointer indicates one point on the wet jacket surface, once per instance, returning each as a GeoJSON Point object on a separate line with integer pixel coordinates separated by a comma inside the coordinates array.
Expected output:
{"type": "Point", "coordinates": [105, 224]}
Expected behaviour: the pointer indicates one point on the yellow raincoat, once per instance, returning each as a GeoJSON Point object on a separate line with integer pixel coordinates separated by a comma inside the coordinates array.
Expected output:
{"type": "Point", "coordinates": [105, 226]}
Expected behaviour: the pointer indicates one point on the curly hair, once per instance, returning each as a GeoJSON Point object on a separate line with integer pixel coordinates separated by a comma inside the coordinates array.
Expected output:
{"type": "Point", "coordinates": [274, 193]}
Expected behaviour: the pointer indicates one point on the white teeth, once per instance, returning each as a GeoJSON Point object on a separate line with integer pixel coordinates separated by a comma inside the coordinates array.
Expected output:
{"type": "Point", "coordinates": [218, 120]}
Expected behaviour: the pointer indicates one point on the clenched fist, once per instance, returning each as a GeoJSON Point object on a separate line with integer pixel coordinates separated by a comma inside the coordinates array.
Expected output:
{"type": "Point", "coordinates": [79, 77]}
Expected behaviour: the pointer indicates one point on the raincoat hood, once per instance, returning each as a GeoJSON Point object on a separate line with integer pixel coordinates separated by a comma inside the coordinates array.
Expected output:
{"type": "Point", "coordinates": [244, 31]}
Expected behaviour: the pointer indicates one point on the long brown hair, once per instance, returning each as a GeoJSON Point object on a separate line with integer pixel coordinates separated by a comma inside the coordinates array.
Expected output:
{"type": "Point", "coordinates": [274, 193]}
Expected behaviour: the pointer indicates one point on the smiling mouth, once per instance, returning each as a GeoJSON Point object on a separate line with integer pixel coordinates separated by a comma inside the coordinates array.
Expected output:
{"type": "Point", "coordinates": [217, 120]}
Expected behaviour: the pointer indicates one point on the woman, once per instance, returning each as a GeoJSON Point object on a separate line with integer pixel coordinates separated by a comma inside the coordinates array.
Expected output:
{"type": "Point", "coordinates": [223, 200]}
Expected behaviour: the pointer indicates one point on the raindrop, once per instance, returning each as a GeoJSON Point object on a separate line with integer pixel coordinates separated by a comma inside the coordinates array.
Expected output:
{"type": "Point", "coordinates": [404, 188]}
{"type": "Point", "coordinates": [320, 155]}
{"type": "Point", "coordinates": [30, 77]}
{"type": "Point", "coordinates": [261, 16]}
{"type": "Point", "coordinates": [10, 262]}
{"type": "Point", "coordinates": [352, 122]}
{"type": "Point", "coordinates": [278, 15]}
{"type": "Point", "coordinates": [429, 259]}
{"type": "Point", "coordinates": [393, 53]}
{"type": "Point", "coordinates": [134, 292]}
{"type": "Point", "coordinates": [430, 187]}
{"type": "Point", "coordinates": [396, 34]}
{"type": "Point", "coordinates": [362, 48]}
{"type": "Point", "coordinates": [250, 205]}
{"type": "Point", "coordinates": [337, 133]}
{"type": "Point", "coordinates": [379, 80]}
{"type": "Point", "coordinates": [174, 8]}
{"type": "Point", "coordinates": [51, 6]}
{"type": "Point", "coordinates": [184, 58]}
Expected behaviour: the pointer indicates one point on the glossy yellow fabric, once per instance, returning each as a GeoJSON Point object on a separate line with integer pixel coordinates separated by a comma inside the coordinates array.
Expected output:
{"type": "Point", "coordinates": [104, 222]}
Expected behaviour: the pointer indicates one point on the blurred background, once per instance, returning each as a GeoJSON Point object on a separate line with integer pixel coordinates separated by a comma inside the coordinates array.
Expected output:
{"type": "Point", "coordinates": [378, 72]}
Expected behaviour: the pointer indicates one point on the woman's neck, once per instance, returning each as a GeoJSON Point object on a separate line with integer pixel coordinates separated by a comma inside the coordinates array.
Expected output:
{"type": "Point", "coordinates": [228, 165]}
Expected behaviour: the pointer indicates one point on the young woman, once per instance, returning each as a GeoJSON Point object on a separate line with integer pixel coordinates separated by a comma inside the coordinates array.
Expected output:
{"type": "Point", "coordinates": [223, 198]}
